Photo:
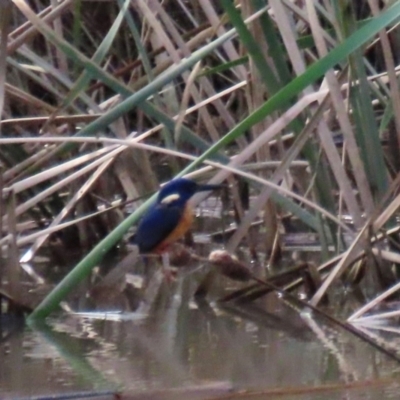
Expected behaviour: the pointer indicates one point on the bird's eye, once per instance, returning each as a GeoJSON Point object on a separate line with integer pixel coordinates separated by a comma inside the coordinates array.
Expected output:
{"type": "Point", "coordinates": [170, 199]}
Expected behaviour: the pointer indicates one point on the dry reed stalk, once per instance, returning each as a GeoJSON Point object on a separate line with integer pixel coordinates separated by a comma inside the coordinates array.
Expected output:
{"type": "Point", "coordinates": [12, 272]}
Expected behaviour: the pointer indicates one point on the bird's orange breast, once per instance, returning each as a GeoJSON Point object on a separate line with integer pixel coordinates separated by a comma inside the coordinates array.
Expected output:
{"type": "Point", "coordinates": [183, 226]}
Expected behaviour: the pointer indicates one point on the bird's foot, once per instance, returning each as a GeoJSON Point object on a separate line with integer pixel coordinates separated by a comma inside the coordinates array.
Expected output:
{"type": "Point", "coordinates": [170, 275]}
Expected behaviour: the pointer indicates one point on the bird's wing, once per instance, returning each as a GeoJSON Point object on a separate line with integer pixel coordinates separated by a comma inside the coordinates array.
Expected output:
{"type": "Point", "coordinates": [155, 226]}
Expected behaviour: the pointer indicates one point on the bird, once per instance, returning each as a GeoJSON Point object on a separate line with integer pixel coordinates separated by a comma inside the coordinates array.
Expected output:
{"type": "Point", "coordinates": [170, 217]}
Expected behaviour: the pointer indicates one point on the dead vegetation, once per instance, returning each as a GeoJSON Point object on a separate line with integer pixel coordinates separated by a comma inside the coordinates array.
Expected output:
{"type": "Point", "coordinates": [295, 104]}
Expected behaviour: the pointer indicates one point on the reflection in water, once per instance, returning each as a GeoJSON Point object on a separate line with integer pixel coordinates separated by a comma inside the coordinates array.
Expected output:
{"type": "Point", "coordinates": [183, 344]}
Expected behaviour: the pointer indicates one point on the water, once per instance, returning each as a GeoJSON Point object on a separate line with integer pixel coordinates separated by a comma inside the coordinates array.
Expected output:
{"type": "Point", "coordinates": [183, 347]}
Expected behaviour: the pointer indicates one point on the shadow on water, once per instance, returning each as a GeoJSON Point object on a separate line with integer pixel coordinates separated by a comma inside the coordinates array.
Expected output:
{"type": "Point", "coordinates": [186, 349]}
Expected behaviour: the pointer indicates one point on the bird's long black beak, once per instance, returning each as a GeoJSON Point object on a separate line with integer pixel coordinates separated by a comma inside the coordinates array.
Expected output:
{"type": "Point", "coordinates": [204, 188]}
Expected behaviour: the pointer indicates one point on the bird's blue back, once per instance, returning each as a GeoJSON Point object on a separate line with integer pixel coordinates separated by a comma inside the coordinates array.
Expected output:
{"type": "Point", "coordinates": [156, 225]}
{"type": "Point", "coordinates": [161, 219]}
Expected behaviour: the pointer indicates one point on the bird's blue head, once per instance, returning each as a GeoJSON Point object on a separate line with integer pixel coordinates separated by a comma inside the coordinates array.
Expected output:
{"type": "Point", "coordinates": [180, 190]}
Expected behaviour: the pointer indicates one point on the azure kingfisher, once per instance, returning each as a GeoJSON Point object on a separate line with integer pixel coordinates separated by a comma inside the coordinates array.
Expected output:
{"type": "Point", "coordinates": [170, 217]}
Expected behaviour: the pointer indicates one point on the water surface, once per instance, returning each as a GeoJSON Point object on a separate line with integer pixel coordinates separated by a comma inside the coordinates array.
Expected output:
{"type": "Point", "coordinates": [266, 347]}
